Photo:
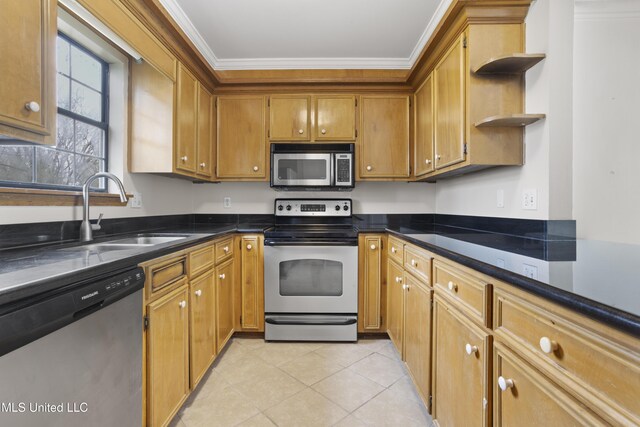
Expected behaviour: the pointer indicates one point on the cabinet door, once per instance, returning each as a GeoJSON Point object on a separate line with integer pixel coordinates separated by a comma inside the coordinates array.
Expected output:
{"type": "Point", "coordinates": [224, 303]}
{"type": "Point", "coordinates": [241, 138]}
{"type": "Point", "coordinates": [530, 399]}
{"type": "Point", "coordinates": [371, 281]}
{"type": "Point", "coordinates": [417, 334]}
{"type": "Point", "coordinates": [28, 69]}
{"type": "Point", "coordinates": [203, 322]}
{"type": "Point", "coordinates": [167, 356]}
{"type": "Point", "coordinates": [335, 118]}
{"type": "Point", "coordinates": [252, 283]}
{"type": "Point", "coordinates": [395, 304]}
{"type": "Point", "coordinates": [423, 112]}
{"type": "Point", "coordinates": [450, 106]}
{"type": "Point", "coordinates": [187, 121]}
{"type": "Point", "coordinates": [289, 118]}
{"type": "Point", "coordinates": [205, 132]}
{"type": "Point", "coordinates": [384, 139]}
{"type": "Point", "coordinates": [460, 378]}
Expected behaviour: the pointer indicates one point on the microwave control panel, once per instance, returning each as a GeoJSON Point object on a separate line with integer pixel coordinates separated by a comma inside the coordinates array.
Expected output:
{"type": "Point", "coordinates": [313, 207]}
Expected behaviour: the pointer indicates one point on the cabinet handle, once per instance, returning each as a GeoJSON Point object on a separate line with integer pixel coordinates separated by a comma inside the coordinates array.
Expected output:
{"type": "Point", "coordinates": [32, 106]}
{"type": "Point", "coordinates": [398, 279]}
{"type": "Point", "coordinates": [226, 249]}
{"type": "Point", "coordinates": [452, 286]}
{"type": "Point", "coordinates": [249, 247]}
{"type": "Point", "coordinates": [222, 276]}
{"type": "Point", "coordinates": [198, 292]}
{"type": "Point", "coordinates": [182, 304]}
{"type": "Point", "coordinates": [255, 169]}
{"type": "Point", "coordinates": [427, 161]}
{"type": "Point", "coordinates": [471, 349]}
{"type": "Point", "coordinates": [547, 345]}
{"type": "Point", "coordinates": [300, 131]}
{"type": "Point", "coordinates": [202, 165]}
{"type": "Point", "coordinates": [405, 286]}
{"type": "Point", "coordinates": [184, 158]}
{"type": "Point", "coordinates": [323, 131]}
{"type": "Point", "coordinates": [369, 168]}
{"type": "Point", "coordinates": [373, 247]}
{"type": "Point", "coordinates": [414, 263]}
{"type": "Point", "coordinates": [393, 249]}
{"type": "Point", "coordinates": [504, 383]}
{"type": "Point", "coordinates": [438, 156]}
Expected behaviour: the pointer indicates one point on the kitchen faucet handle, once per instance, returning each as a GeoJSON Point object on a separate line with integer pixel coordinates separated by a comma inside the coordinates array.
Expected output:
{"type": "Point", "coordinates": [96, 226]}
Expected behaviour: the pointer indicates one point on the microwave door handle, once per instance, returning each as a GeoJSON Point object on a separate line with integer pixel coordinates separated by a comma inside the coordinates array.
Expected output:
{"type": "Point", "coordinates": [332, 163]}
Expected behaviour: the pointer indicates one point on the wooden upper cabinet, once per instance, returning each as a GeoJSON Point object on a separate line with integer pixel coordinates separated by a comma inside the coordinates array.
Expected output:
{"type": "Point", "coordinates": [187, 121]}
{"type": "Point", "coordinates": [289, 118]}
{"type": "Point", "coordinates": [205, 132]}
{"type": "Point", "coordinates": [28, 70]}
{"type": "Point", "coordinates": [449, 87]}
{"type": "Point", "coordinates": [424, 128]}
{"type": "Point", "coordinates": [241, 138]}
{"type": "Point", "coordinates": [335, 118]}
{"type": "Point", "coordinates": [371, 292]}
{"type": "Point", "coordinates": [384, 138]}
{"type": "Point", "coordinates": [252, 283]}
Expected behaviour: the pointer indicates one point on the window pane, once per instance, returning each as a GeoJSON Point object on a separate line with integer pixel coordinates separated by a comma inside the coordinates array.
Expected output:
{"type": "Point", "coordinates": [63, 91]}
{"type": "Point", "coordinates": [16, 163]}
{"type": "Point", "coordinates": [86, 69]}
{"type": "Point", "coordinates": [62, 56]}
{"type": "Point", "coordinates": [87, 166]}
{"type": "Point", "coordinates": [89, 139]}
{"type": "Point", "coordinates": [86, 102]}
{"type": "Point", "coordinates": [64, 130]}
{"type": "Point", "coordinates": [54, 167]}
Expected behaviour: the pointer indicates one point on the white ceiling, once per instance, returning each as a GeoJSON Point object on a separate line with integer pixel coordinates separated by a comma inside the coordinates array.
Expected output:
{"type": "Point", "coordinates": [308, 34]}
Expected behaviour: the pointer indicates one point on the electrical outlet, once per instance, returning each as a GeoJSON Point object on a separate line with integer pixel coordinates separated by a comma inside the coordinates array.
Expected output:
{"type": "Point", "coordinates": [500, 198]}
{"type": "Point", "coordinates": [226, 203]}
{"type": "Point", "coordinates": [136, 200]}
{"type": "Point", "coordinates": [530, 199]}
{"type": "Point", "coordinates": [531, 271]}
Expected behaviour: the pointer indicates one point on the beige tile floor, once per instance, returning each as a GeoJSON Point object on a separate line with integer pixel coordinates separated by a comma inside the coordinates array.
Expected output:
{"type": "Point", "coordinates": [254, 383]}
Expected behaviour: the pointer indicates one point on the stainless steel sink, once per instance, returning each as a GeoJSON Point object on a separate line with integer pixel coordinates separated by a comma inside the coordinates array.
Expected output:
{"type": "Point", "coordinates": [143, 240]}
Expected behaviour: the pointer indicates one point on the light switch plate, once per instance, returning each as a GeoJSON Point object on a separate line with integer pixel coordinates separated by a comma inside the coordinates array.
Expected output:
{"type": "Point", "coordinates": [500, 198]}
{"type": "Point", "coordinates": [136, 200]}
{"type": "Point", "coordinates": [226, 202]}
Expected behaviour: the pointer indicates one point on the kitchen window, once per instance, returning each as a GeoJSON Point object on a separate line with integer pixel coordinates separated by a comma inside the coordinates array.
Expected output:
{"type": "Point", "coordinates": [81, 131]}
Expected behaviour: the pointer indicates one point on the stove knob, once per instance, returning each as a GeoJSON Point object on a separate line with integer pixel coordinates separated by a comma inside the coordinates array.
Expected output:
{"type": "Point", "coordinates": [345, 207]}
{"type": "Point", "coordinates": [280, 207]}
{"type": "Point", "coordinates": [288, 207]}
{"type": "Point", "coordinates": [337, 207]}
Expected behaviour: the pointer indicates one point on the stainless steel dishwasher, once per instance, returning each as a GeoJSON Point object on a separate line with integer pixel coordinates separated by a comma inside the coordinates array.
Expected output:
{"type": "Point", "coordinates": [74, 357]}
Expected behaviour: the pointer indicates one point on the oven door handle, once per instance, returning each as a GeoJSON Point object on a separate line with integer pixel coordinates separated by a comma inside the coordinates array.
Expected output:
{"type": "Point", "coordinates": [310, 242]}
{"type": "Point", "coordinates": [285, 321]}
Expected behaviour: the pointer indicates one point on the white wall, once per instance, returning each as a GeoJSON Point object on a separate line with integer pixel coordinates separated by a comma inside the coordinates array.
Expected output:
{"type": "Point", "coordinates": [368, 197]}
{"type": "Point", "coordinates": [548, 142]}
{"type": "Point", "coordinates": [606, 107]}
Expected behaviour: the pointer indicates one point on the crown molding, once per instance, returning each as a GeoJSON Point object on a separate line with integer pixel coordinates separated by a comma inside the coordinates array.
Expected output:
{"type": "Point", "coordinates": [591, 10]}
{"type": "Point", "coordinates": [441, 10]}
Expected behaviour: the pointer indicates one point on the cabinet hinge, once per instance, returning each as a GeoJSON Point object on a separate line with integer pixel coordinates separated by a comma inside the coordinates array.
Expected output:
{"type": "Point", "coordinates": [356, 133]}
{"type": "Point", "coordinates": [146, 322]}
{"type": "Point", "coordinates": [464, 42]}
{"type": "Point", "coordinates": [409, 102]}
{"type": "Point", "coordinates": [215, 103]}
{"type": "Point", "coordinates": [268, 133]}
{"type": "Point", "coordinates": [356, 102]}
{"type": "Point", "coordinates": [380, 320]}
{"type": "Point", "coordinates": [268, 102]}
{"type": "Point", "coordinates": [464, 148]}
{"type": "Point", "coordinates": [241, 319]}
{"type": "Point", "coordinates": [430, 401]}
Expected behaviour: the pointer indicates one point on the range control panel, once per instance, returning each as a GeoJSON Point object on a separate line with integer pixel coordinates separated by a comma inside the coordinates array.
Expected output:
{"type": "Point", "coordinates": [313, 207]}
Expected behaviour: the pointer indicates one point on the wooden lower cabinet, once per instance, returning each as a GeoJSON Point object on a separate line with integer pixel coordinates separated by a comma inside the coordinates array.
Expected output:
{"type": "Point", "coordinates": [167, 356]}
{"type": "Point", "coordinates": [371, 283]}
{"type": "Point", "coordinates": [252, 283]}
{"type": "Point", "coordinates": [395, 304]}
{"type": "Point", "coordinates": [224, 303]}
{"type": "Point", "coordinates": [203, 323]}
{"type": "Point", "coordinates": [461, 368]}
{"type": "Point", "coordinates": [523, 396]}
{"type": "Point", "coordinates": [417, 335]}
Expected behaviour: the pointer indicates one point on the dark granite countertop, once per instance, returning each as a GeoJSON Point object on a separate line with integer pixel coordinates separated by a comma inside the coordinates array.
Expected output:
{"type": "Point", "coordinates": [599, 281]}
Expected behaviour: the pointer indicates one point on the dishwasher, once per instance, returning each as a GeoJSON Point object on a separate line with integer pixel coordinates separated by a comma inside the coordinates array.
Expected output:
{"type": "Point", "coordinates": [74, 357]}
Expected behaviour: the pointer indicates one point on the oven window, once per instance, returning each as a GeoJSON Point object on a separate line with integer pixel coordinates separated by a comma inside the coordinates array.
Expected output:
{"type": "Point", "coordinates": [302, 169]}
{"type": "Point", "coordinates": [310, 277]}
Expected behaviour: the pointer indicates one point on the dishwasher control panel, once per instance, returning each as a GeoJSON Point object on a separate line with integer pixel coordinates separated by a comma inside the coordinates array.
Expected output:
{"type": "Point", "coordinates": [101, 289]}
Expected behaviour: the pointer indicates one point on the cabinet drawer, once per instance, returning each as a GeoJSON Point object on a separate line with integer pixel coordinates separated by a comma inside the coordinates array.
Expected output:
{"type": "Point", "coordinates": [472, 294]}
{"type": "Point", "coordinates": [395, 250]}
{"type": "Point", "coordinates": [224, 250]}
{"type": "Point", "coordinates": [166, 273]}
{"type": "Point", "coordinates": [604, 372]}
{"type": "Point", "coordinates": [418, 263]}
{"type": "Point", "coordinates": [200, 261]}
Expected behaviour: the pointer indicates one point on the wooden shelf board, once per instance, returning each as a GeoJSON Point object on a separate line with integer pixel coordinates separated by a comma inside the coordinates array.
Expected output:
{"type": "Point", "coordinates": [511, 120]}
{"type": "Point", "coordinates": [515, 63]}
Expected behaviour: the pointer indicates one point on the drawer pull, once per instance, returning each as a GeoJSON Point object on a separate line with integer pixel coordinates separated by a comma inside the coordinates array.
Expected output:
{"type": "Point", "coordinates": [249, 247]}
{"type": "Point", "coordinates": [184, 159]}
{"type": "Point", "coordinates": [548, 346]}
{"type": "Point", "coordinates": [226, 249]}
{"type": "Point", "coordinates": [323, 131]}
{"type": "Point", "coordinates": [256, 168]}
{"type": "Point", "coordinates": [393, 250]}
{"type": "Point", "coordinates": [398, 279]}
{"type": "Point", "coordinates": [32, 106]}
{"type": "Point", "coordinates": [373, 247]}
{"type": "Point", "coordinates": [369, 168]}
{"type": "Point", "coordinates": [300, 131]}
{"type": "Point", "coordinates": [203, 165]}
{"type": "Point", "coordinates": [182, 304]}
{"type": "Point", "coordinates": [221, 276]}
{"type": "Point", "coordinates": [471, 349]}
{"type": "Point", "coordinates": [405, 286]}
{"type": "Point", "coordinates": [504, 383]}
{"type": "Point", "coordinates": [414, 263]}
{"type": "Point", "coordinates": [198, 292]}
{"type": "Point", "coordinates": [452, 286]}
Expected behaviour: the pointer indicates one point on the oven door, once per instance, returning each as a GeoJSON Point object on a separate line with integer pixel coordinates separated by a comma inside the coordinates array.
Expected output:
{"type": "Point", "coordinates": [311, 279]}
{"type": "Point", "coordinates": [301, 169]}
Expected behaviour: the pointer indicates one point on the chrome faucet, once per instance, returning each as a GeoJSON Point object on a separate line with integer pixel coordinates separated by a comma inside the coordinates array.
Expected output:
{"type": "Point", "coordinates": [86, 228]}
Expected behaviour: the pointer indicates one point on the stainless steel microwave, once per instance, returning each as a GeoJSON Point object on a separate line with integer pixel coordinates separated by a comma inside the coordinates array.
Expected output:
{"type": "Point", "coordinates": [320, 167]}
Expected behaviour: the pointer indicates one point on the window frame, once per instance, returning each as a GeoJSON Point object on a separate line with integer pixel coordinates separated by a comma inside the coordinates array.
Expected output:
{"type": "Point", "coordinates": [103, 125]}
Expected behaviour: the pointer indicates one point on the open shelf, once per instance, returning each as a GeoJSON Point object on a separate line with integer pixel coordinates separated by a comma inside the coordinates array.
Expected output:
{"type": "Point", "coordinates": [510, 120]}
{"type": "Point", "coordinates": [515, 63]}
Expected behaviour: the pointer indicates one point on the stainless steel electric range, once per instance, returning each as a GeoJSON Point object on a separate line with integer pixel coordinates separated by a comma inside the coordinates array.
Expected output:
{"type": "Point", "coordinates": [311, 272]}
